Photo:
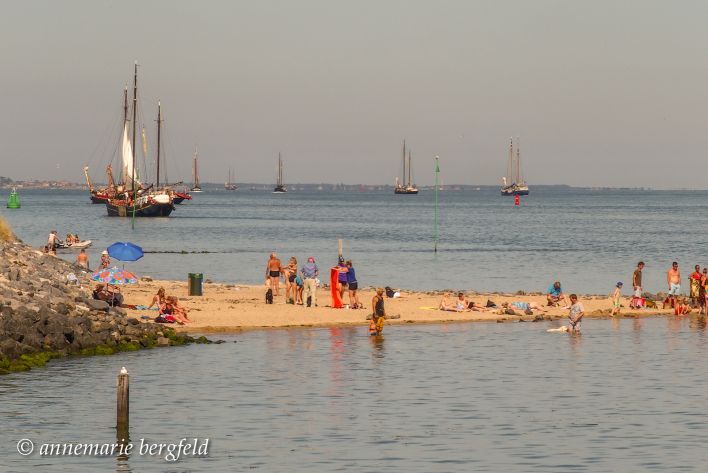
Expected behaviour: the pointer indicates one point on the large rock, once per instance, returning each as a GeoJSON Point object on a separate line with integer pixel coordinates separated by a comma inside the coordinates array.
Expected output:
{"type": "Point", "coordinates": [95, 304]}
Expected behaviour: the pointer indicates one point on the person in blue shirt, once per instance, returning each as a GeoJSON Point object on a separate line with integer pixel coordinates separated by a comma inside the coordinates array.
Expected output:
{"type": "Point", "coordinates": [353, 287]}
{"type": "Point", "coordinates": [555, 295]}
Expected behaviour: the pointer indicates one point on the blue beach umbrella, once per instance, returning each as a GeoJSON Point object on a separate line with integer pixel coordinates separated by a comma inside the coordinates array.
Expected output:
{"type": "Point", "coordinates": [125, 251]}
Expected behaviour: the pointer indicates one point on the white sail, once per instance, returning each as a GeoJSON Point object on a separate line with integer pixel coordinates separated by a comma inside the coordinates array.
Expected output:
{"type": "Point", "coordinates": [128, 160]}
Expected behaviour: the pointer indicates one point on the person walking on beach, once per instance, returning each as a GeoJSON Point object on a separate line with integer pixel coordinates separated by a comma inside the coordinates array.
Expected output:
{"type": "Point", "coordinates": [82, 259]}
{"type": "Point", "coordinates": [637, 286]}
{"type": "Point", "coordinates": [555, 295]}
{"type": "Point", "coordinates": [379, 313]}
{"type": "Point", "coordinates": [616, 299]}
{"type": "Point", "coordinates": [273, 269]}
{"type": "Point", "coordinates": [353, 286]}
{"type": "Point", "coordinates": [308, 273]}
{"type": "Point", "coordinates": [673, 279]}
{"type": "Point", "coordinates": [105, 260]}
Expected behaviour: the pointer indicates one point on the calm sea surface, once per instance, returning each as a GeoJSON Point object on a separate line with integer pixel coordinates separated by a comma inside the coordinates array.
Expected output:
{"type": "Point", "coordinates": [587, 239]}
{"type": "Point", "coordinates": [625, 396]}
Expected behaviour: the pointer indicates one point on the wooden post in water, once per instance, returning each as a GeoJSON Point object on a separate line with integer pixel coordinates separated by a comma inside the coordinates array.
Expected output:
{"type": "Point", "coordinates": [123, 405]}
{"type": "Point", "coordinates": [340, 248]}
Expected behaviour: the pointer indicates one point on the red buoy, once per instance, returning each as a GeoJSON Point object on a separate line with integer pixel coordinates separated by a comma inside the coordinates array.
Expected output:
{"type": "Point", "coordinates": [516, 200]}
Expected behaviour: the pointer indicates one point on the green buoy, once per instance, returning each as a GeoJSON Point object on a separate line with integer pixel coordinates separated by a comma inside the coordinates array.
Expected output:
{"type": "Point", "coordinates": [13, 202]}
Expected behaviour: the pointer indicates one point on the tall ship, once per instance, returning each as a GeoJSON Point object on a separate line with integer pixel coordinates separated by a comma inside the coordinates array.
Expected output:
{"type": "Point", "coordinates": [131, 197]}
{"type": "Point", "coordinates": [229, 185]}
{"type": "Point", "coordinates": [100, 195]}
{"type": "Point", "coordinates": [279, 187]}
{"type": "Point", "coordinates": [405, 187]}
{"type": "Point", "coordinates": [513, 183]}
{"type": "Point", "coordinates": [195, 172]}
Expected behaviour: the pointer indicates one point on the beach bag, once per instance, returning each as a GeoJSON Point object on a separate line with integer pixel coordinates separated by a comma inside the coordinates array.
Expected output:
{"type": "Point", "coordinates": [389, 292]}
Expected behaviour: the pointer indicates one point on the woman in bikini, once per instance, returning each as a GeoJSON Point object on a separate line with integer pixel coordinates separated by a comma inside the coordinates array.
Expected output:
{"type": "Point", "coordinates": [377, 318]}
{"type": "Point", "coordinates": [158, 299]}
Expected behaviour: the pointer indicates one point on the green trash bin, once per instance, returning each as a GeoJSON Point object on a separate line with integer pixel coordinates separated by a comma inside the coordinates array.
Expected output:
{"type": "Point", "coordinates": [195, 284]}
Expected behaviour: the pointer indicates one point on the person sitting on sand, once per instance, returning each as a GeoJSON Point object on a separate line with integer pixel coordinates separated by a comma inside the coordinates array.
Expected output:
{"type": "Point", "coordinates": [446, 304]}
{"type": "Point", "coordinates": [555, 294]}
{"type": "Point", "coordinates": [524, 306]}
{"type": "Point", "coordinates": [377, 318]}
{"type": "Point", "coordinates": [177, 311]}
{"type": "Point", "coordinates": [616, 299]}
{"type": "Point", "coordinates": [158, 299]}
{"type": "Point", "coordinates": [101, 293]}
{"type": "Point", "coordinates": [105, 260]}
{"type": "Point", "coordinates": [681, 307]}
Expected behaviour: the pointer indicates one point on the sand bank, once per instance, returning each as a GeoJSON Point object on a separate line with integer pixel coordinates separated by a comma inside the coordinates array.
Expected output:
{"type": "Point", "coordinates": [231, 308]}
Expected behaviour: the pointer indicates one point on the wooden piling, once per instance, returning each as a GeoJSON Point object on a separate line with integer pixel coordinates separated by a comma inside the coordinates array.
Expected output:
{"type": "Point", "coordinates": [123, 404]}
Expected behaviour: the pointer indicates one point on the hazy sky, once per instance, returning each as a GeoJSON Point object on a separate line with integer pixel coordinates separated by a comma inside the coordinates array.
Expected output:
{"type": "Point", "coordinates": [601, 92]}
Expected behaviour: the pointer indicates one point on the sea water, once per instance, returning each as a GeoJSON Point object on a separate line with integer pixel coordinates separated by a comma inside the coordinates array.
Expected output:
{"type": "Point", "coordinates": [625, 396]}
{"type": "Point", "coordinates": [587, 239]}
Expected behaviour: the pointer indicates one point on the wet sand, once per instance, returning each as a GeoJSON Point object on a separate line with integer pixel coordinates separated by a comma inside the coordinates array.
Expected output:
{"type": "Point", "coordinates": [231, 308]}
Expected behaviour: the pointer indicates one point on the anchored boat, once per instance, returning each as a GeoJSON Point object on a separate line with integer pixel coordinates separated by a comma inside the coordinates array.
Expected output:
{"type": "Point", "coordinates": [279, 187]}
{"type": "Point", "coordinates": [408, 187]}
{"type": "Point", "coordinates": [513, 183]}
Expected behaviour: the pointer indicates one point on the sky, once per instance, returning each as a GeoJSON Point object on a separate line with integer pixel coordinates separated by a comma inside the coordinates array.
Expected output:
{"type": "Point", "coordinates": [601, 93]}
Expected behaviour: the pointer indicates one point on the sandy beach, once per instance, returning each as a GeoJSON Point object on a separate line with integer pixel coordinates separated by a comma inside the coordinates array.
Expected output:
{"type": "Point", "coordinates": [230, 308]}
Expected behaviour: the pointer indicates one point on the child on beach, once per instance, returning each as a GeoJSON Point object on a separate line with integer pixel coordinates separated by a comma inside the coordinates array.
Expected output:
{"type": "Point", "coordinates": [616, 297]}
{"type": "Point", "coordinates": [377, 318]}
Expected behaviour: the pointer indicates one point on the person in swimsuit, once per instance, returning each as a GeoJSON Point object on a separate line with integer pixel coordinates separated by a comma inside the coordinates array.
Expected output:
{"type": "Point", "coordinates": [524, 306]}
{"type": "Point", "coordinates": [290, 274]}
{"type": "Point", "coordinates": [353, 286]}
{"type": "Point", "coordinates": [173, 308]}
{"type": "Point", "coordinates": [702, 297]}
{"type": "Point", "coordinates": [82, 259]}
{"type": "Point", "coordinates": [342, 282]}
{"type": "Point", "coordinates": [616, 299]}
{"type": "Point", "coordinates": [673, 279]}
{"type": "Point", "coordinates": [105, 260]}
{"type": "Point", "coordinates": [377, 318]}
{"type": "Point", "coordinates": [273, 269]}
{"type": "Point", "coordinates": [158, 299]}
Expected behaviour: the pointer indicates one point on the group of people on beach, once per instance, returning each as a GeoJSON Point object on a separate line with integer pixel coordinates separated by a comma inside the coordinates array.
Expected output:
{"type": "Point", "coordinates": [301, 283]}
{"type": "Point", "coordinates": [169, 308]}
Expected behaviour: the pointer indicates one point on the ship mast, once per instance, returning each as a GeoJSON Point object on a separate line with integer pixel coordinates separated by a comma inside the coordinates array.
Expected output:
{"type": "Point", "coordinates": [518, 161]}
{"type": "Point", "coordinates": [509, 168]}
{"type": "Point", "coordinates": [409, 168]}
{"type": "Point", "coordinates": [159, 126]}
{"type": "Point", "coordinates": [135, 110]}
{"type": "Point", "coordinates": [403, 177]}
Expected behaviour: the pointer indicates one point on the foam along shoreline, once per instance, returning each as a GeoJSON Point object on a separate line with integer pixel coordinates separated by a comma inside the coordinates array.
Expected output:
{"type": "Point", "coordinates": [232, 308]}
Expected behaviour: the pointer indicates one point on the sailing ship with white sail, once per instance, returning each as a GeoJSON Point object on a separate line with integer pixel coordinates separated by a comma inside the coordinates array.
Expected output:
{"type": "Point", "coordinates": [513, 183]}
{"type": "Point", "coordinates": [229, 185]}
{"type": "Point", "coordinates": [405, 187]}
{"type": "Point", "coordinates": [195, 172]}
{"type": "Point", "coordinates": [131, 197]}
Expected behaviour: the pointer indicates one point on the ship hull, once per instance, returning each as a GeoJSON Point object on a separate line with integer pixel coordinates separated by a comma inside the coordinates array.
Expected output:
{"type": "Point", "coordinates": [98, 198]}
{"type": "Point", "coordinates": [144, 208]}
{"type": "Point", "coordinates": [180, 197]}
{"type": "Point", "coordinates": [514, 191]}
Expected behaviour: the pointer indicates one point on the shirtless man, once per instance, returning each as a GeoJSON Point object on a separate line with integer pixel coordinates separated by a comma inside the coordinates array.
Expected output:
{"type": "Point", "coordinates": [673, 279]}
{"type": "Point", "coordinates": [82, 259]}
{"type": "Point", "coordinates": [273, 269]}
{"type": "Point", "coordinates": [52, 242]}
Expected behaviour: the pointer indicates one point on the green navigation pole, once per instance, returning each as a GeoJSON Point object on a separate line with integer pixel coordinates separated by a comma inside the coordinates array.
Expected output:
{"type": "Point", "coordinates": [437, 187]}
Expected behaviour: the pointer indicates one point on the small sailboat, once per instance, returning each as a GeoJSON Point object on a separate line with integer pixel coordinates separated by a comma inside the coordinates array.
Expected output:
{"type": "Point", "coordinates": [513, 183]}
{"type": "Point", "coordinates": [280, 188]}
{"type": "Point", "coordinates": [13, 200]}
{"type": "Point", "coordinates": [195, 172]}
{"type": "Point", "coordinates": [408, 187]}
{"type": "Point", "coordinates": [229, 185]}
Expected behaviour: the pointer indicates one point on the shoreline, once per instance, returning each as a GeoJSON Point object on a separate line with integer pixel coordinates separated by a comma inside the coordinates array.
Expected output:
{"type": "Point", "coordinates": [235, 308]}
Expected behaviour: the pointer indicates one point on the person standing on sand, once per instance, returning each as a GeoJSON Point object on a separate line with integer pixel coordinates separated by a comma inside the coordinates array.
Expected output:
{"type": "Point", "coordinates": [379, 314]}
{"type": "Point", "coordinates": [308, 273]}
{"type": "Point", "coordinates": [105, 260]}
{"type": "Point", "coordinates": [342, 282]}
{"type": "Point", "coordinates": [290, 274]}
{"type": "Point", "coordinates": [673, 279]}
{"type": "Point", "coordinates": [637, 286]}
{"type": "Point", "coordinates": [273, 269]}
{"type": "Point", "coordinates": [82, 259]}
{"type": "Point", "coordinates": [616, 299]}
{"type": "Point", "coordinates": [353, 285]}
